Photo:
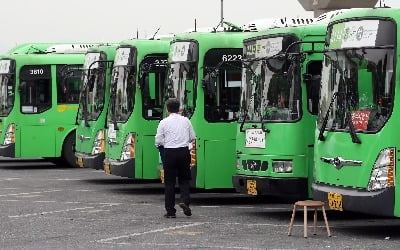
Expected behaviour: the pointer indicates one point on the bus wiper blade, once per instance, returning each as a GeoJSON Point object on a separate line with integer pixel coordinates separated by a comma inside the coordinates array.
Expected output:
{"type": "Point", "coordinates": [321, 136]}
{"type": "Point", "coordinates": [267, 130]}
{"type": "Point", "coordinates": [244, 120]}
{"type": "Point", "coordinates": [352, 131]}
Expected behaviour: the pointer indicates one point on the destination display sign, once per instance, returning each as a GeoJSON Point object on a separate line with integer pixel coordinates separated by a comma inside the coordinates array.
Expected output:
{"type": "Point", "coordinates": [354, 34]}
{"type": "Point", "coordinates": [122, 56]}
{"type": "Point", "coordinates": [183, 51]}
{"type": "Point", "coordinates": [263, 47]}
{"type": "Point", "coordinates": [90, 58]}
{"type": "Point", "coordinates": [5, 66]}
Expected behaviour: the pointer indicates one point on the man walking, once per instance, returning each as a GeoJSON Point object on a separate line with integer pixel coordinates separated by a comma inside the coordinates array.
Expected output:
{"type": "Point", "coordinates": [175, 133]}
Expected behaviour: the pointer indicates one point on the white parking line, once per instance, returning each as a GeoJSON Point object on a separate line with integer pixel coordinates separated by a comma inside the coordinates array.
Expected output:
{"type": "Point", "coordinates": [31, 193]}
{"type": "Point", "coordinates": [107, 240]}
{"type": "Point", "coordinates": [58, 211]}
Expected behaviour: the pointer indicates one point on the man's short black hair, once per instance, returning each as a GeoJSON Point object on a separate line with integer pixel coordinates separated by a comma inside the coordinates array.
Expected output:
{"type": "Point", "coordinates": [173, 105]}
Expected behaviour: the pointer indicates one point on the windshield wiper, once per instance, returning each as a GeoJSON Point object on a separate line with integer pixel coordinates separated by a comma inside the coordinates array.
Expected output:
{"type": "Point", "coordinates": [353, 134]}
{"type": "Point", "coordinates": [321, 136]}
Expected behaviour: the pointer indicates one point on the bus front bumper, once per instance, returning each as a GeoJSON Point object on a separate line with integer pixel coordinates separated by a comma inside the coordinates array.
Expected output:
{"type": "Point", "coordinates": [120, 168]}
{"type": "Point", "coordinates": [257, 185]}
{"type": "Point", "coordinates": [7, 150]}
{"type": "Point", "coordinates": [379, 202]}
{"type": "Point", "coordinates": [90, 161]}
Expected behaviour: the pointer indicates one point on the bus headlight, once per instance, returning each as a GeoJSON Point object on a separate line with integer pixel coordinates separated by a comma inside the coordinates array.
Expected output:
{"type": "Point", "coordinates": [10, 134]}
{"type": "Point", "coordinates": [382, 175]}
{"type": "Point", "coordinates": [193, 155]}
{"type": "Point", "coordinates": [98, 144]}
{"type": "Point", "coordinates": [282, 166]}
{"type": "Point", "coordinates": [128, 150]}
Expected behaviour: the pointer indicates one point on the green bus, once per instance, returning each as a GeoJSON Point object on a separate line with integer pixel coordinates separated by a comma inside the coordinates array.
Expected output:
{"type": "Point", "coordinates": [93, 106]}
{"type": "Point", "coordinates": [205, 75]}
{"type": "Point", "coordinates": [39, 94]}
{"type": "Point", "coordinates": [278, 108]}
{"type": "Point", "coordinates": [356, 142]}
{"type": "Point", "coordinates": [135, 108]}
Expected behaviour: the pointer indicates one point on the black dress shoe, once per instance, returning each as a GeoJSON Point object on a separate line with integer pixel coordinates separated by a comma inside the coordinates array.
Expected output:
{"type": "Point", "coordinates": [186, 209]}
{"type": "Point", "coordinates": [169, 216]}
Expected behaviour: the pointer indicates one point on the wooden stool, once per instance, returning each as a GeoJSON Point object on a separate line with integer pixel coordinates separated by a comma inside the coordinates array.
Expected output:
{"type": "Point", "coordinates": [312, 204]}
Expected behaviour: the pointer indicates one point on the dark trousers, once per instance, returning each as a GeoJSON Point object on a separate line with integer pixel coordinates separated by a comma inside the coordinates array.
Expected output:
{"type": "Point", "coordinates": [176, 164]}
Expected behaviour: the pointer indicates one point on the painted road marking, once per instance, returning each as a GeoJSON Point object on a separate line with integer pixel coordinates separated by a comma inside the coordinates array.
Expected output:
{"type": "Point", "coordinates": [30, 193]}
{"type": "Point", "coordinates": [108, 240]}
{"type": "Point", "coordinates": [57, 211]}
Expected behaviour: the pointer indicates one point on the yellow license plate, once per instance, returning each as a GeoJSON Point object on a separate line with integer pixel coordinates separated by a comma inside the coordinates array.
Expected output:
{"type": "Point", "coordinates": [162, 176]}
{"type": "Point", "coordinates": [335, 201]}
{"type": "Point", "coordinates": [251, 187]}
{"type": "Point", "coordinates": [79, 161]}
{"type": "Point", "coordinates": [107, 168]}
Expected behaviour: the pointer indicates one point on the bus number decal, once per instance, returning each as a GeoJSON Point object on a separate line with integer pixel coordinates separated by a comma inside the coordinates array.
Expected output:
{"type": "Point", "coordinates": [36, 71]}
{"type": "Point", "coordinates": [227, 58]}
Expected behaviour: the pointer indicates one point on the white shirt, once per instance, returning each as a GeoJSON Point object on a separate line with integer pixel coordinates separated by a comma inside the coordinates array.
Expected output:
{"type": "Point", "coordinates": [174, 131]}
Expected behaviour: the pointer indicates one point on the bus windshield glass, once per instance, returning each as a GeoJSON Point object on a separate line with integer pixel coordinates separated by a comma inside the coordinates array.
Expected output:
{"type": "Point", "coordinates": [93, 90]}
{"type": "Point", "coordinates": [357, 77]}
{"type": "Point", "coordinates": [271, 82]}
{"type": "Point", "coordinates": [7, 86]}
{"type": "Point", "coordinates": [181, 82]}
{"type": "Point", "coordinates": [122, 95]}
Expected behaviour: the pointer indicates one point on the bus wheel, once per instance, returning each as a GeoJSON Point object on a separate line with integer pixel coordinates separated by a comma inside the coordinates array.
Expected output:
{"type": "Point", "coordinates": [68, 150]}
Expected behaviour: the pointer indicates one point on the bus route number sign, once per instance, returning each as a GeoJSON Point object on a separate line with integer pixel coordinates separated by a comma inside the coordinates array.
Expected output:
{"type": "Point", "coordinates": [255, 138]}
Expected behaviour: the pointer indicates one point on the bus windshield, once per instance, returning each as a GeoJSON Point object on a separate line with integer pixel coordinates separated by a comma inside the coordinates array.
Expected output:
{"type": "Point", "coordinates": [357, 81]}
{"type": "Point", "coordinates": [122, 97]}
{"type": "Point", "coordinates": [93, 91]}
{"type": "Point", "coordinates": [7, 87]}
{"type": "Point", "coordinates": [271, 82]}
{"type": "Point", "coordinates": [181, 82]}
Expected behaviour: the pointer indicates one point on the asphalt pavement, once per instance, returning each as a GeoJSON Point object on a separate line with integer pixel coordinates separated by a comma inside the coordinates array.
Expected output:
{"type": "Point", "coordinates": [48, 206]}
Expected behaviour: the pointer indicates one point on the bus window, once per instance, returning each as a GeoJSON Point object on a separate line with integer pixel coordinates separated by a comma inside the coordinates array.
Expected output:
{"type": "Point", "coordinates": [35, 96]}
{"type": "Point", "coordinates": [312, 78]}
{"type": "Point", "coordinates": [35, 88]}
{"type": "Point", "coordinates": [152, 95]}
{"type": "Point", "coordinates": [68, 83]}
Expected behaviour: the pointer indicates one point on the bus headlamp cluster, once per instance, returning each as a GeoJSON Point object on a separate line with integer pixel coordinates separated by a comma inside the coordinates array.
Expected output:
{"type": "Point", "coordinates": [282, 166]}
{"type": "Point", "coordinates": [98, 144]}
{"type": "Point", "coordinates": [128, 150]}
{"type": "Point", "coordinates": [382, 175]}
{"type": "Point", "coordinates": [10, 135]}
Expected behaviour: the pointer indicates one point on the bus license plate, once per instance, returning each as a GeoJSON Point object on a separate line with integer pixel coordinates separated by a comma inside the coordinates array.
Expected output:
{"type": "Point", "coordinates": [335, 201]}
{"type": "Point", "coordinates": [79, 161]}
{"type": "Point", "coordinates": [107, 168]}
{"type": "Point", "coordinates": [251, 187]}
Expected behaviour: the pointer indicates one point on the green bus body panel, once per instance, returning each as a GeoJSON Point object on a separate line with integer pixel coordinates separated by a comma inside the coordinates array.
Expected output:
{"type": "Point", "coordinates": [85, 146]}
{"type": "Point", "coordinates": [136, 124]}
{"type": "Point", "coordinates": [149, 157]}
{"type": "Point", "coordinates": [212, 169]}
{"type": "Point", "coordinates": [221, 155]}
{"type": "Point", "coordinates": [46, 131]}
{"type": "Point", "coordinates": [288, 140]}
{"type": "Point", "coordinates": [339, 144]}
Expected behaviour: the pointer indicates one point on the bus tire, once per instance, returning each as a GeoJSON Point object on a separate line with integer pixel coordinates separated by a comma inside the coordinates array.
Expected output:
{"type": "Point", "coordinates": [68, 150]}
